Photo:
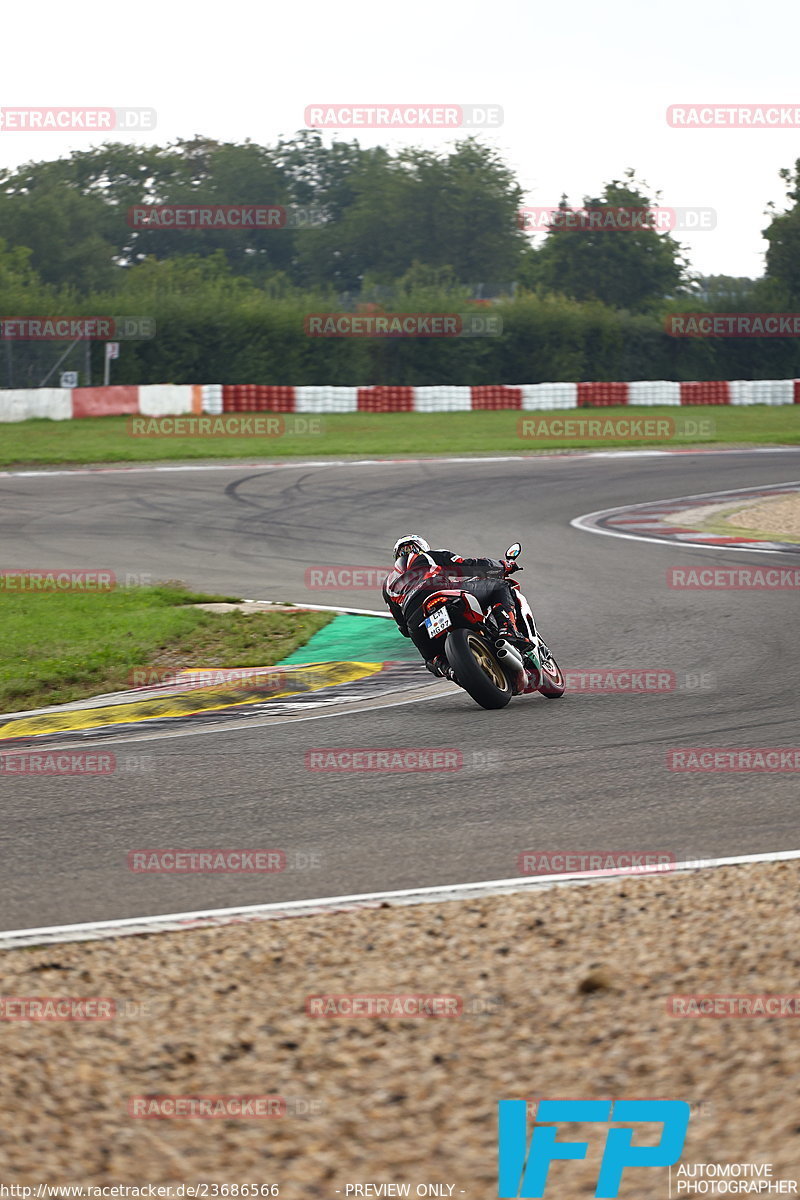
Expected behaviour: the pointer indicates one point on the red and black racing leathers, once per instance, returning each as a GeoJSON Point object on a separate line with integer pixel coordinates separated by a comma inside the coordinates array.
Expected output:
{"type": "Point", "coordinates": [416, 576]}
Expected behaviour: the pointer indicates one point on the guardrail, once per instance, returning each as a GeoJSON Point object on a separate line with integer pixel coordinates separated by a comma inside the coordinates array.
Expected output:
{"type": "Point", "coordinates": [166, 399]}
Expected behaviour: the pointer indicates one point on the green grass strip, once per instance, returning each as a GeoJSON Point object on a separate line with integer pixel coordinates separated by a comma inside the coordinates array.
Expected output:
{"type": "Point", "coordinates": [107, 439]}
{"type": "Point", "coordinates": [55, 648]}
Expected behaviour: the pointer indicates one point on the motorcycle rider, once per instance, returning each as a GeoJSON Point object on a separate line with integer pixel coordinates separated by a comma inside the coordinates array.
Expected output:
{"type": "Point", "coordinates": [418, 571]}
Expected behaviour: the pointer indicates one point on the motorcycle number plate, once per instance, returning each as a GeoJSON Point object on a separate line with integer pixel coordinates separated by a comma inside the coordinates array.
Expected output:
{"type": "Point", "coordinates": [437, 622]}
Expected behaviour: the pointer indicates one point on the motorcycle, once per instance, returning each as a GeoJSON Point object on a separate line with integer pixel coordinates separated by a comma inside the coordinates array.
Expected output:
{"type": "Point", "coordinates": [485, 664]}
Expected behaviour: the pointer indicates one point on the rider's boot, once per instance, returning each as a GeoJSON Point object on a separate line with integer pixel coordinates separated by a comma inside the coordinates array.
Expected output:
{"type": "Point", "coordinates": [506, 623]}
{"type": "Point", "coordinates": [441, 667]}
{"type": "Point", "coordinates": [510, 630]}
{"type": "Point", "coordinates": [536, 651]}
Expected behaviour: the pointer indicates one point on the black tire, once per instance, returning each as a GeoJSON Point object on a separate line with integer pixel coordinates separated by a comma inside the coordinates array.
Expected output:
{"type": "Point", "coordinates": [553, 683]}
{"type": "Point", "coordinates": [460, 649]}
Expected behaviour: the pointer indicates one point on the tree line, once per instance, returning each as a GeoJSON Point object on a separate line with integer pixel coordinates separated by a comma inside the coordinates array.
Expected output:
{"type": "Point", "coordinates": [418, 230]}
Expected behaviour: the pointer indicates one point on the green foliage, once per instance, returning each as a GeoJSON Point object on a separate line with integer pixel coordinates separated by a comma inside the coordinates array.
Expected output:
{"type": "Point", "coordinates": [415, 231]}
{"type": "Point", "coordinates": [630, 268]}
{"type": "Point", "coordinates": [783, 236]}
{"type": "Point", "coordinates": [376, 213]}
{"type": "Point", "coordinates": [726, 289]}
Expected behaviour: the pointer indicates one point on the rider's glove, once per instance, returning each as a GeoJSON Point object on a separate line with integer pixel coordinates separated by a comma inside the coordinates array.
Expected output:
{"type": "Point", "coordinates": [510, 565]}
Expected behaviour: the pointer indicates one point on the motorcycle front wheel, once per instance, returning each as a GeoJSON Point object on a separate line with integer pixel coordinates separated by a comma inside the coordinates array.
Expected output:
{"type": "Point", "coordinates": [553, 684]}
{"type": "Point", "coordinates": [476, 669]}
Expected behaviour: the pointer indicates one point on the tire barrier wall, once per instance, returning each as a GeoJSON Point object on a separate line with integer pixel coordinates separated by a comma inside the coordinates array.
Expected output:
{"type": "Point", "coordinates": [167, 399]}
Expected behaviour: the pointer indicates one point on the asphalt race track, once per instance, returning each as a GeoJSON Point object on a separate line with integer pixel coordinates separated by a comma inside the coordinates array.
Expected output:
{"type": "Point", "coordinates": [585, 773]}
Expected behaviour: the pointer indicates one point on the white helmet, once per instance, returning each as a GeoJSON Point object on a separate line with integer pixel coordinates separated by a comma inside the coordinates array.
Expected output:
{"type": "Point", "coordinates": [410, 542]}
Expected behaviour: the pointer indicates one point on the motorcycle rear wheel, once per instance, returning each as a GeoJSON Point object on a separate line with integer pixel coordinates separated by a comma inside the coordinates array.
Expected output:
{"type": "Point", "coordinates": [476, 669]}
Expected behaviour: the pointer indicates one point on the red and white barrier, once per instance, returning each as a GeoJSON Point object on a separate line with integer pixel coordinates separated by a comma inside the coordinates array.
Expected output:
{"type": "Point", "coordinates": [211, 398]}
{"type": "Point", "coordinates": [549, 395]}
{"type": "Point", "coordinates": [527, 396]}
{"type": "Point", "coordinates": [163, 399]}
{"type": "Point", "coordinates": [105, 401]}
{"type": "Point", "coordinates": [323, 399]}
{"type": "Point", "coordinates": [764, 391]}
{"type": "Point", "coordinates": [22, 404]}
{"type": "Point", "coordinates": [654, 391]}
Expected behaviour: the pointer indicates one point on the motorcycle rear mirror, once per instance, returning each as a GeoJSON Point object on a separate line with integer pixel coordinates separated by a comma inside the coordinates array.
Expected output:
{"type": "Point", "coordinates": [514, 550]}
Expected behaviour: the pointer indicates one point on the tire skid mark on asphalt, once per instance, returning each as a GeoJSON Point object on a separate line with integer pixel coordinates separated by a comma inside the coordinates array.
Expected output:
{"type": "Point", "coordinates": [267, 464]}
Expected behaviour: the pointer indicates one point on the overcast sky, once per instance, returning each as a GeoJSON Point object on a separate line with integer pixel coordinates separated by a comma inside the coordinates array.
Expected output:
{"type": "Point", "coordinates": [584, 86]}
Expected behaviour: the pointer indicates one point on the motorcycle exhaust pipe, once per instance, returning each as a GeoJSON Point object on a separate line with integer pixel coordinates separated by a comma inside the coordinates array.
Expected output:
{"type": "Point", "coordinates": [509, 655]}
{"type": "Point", "coordinates": [509, 658]}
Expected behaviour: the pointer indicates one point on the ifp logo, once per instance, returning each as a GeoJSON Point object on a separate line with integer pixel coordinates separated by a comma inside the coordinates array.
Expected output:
{"type": "Point", "coordinates": [516, 1177]}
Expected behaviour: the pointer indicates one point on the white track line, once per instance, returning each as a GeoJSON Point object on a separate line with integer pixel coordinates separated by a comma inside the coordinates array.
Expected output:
{"type": "Point", "coordinates": [536, 456]}
{"type": "Point", "coordinates": [582, 522]}
{"type": "Point", "coordinates": [360, 612]}
{"type": "Point", "coordinates": [635, 537]}
{"type": "Point", "coordinates": [320, 462]}
{"type": "Point", "coordinates": [97, 930]}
